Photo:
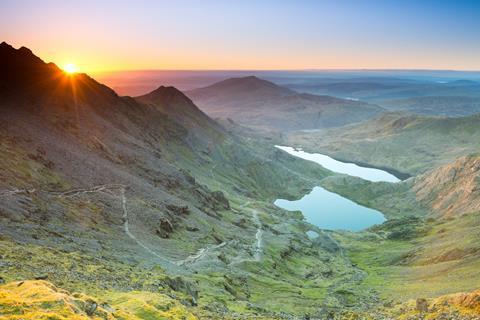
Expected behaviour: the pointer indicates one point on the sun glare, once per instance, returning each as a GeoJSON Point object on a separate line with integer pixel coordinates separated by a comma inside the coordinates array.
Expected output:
{"type": "Point", "coordinates": [70, 68]}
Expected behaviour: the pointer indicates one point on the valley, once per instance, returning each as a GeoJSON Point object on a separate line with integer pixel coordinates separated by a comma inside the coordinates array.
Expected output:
{"type": "Point", "coordinates": [166, 205]}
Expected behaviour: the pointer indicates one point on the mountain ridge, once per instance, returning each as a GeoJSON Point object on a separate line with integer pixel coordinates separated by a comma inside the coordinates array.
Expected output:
{"type": "Point", "coordinates": [119, 195]}
{"type": "Point", "coordinates": [255, 102]}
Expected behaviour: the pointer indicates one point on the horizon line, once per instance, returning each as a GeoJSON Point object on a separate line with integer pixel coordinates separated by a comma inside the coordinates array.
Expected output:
{"type": "Point", "coordinates": [289, 70]}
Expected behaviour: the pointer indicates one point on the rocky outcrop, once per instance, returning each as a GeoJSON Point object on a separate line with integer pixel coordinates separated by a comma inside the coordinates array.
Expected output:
{"type": "Point", "coordinates": [165, 228]}
{"type": "Point", "coordinates": [178, 210]}
{"type": "Point", "coordinates": [186, 287]}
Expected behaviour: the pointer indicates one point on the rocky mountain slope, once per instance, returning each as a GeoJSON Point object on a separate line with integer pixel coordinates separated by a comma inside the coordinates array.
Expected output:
{"type": "Point", "coordinates": [255, 102]}
{"type": "Point", "coordinates": [130, 199]}
{"type": "Point", "coordinates": [452, 189]}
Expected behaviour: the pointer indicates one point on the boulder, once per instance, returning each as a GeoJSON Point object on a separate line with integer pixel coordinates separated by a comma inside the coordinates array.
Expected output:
{"type": "Point", "coordinates": [165, 229]}
{"type": "Point", "coordinates": [221, 200]}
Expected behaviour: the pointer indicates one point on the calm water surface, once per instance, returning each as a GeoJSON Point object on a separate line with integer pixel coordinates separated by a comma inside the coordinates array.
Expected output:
{"type": "Point", "coordinates": [351, 169]}
{"type": "Point", "coordinates": [328, 210]}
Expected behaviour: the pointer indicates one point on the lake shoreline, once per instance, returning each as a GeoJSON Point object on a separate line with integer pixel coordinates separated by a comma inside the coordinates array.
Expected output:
{"type": "Point", "coordinates": [399, 174]}
{"type": "Point", "coordinates": [329, 210]}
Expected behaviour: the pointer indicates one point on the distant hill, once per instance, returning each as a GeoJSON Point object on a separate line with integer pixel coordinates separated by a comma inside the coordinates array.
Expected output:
{"type": "Point", "coordinates": [255, 102]}
{"type": "Point", "coordinates": [439, 98]}
{"type": "Point", "coordinates": [452, 106]}
{"type": "Point", "coordinates": [407, 143]}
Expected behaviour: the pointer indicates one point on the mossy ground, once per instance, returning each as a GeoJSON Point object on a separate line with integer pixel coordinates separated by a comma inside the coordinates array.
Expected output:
{"type": "Point", "coordinates": [424, 258]}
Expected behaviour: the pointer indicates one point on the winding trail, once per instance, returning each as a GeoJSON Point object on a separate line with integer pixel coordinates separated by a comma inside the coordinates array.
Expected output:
{"type": "Point", "coordinates": [258, 244]}
{"type": "Point", "coordinates": [189, 260]}
{"type": "Point", "coordinates": [212, 169]}
{"type": "Point", "coordinates": [129, 233]}
{"type": "Point", "coordinates": [258, 237]}
{"type": "Point", "coordinates": [95, 189]}
{"type": "Point", "coordinates": [201, 253]}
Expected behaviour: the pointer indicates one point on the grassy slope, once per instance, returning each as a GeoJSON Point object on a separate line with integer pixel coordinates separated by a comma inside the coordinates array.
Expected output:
{"type": "Point", "coordinates": [412, 259]}
{"type": "Point", "coordinates": [409, 144]}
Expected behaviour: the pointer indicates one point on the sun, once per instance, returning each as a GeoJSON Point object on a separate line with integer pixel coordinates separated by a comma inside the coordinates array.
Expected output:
{"type": "Point", "coordinates": [70, 68]}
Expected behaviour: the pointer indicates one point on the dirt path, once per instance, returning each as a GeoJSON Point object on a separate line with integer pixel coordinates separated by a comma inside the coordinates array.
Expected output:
{"type": "Point", "coordinates": [130, 234]}
{"type": "Point", "coordinates": [212, 170]}
{"type": "Point", "coordinates": [200, 254]}
{"type": "Point", "coordinates": [258, 237]}
{"type": "Point", "coordinates": [189, 260]}
{"type": "Point", "coordinates": [258, 243]}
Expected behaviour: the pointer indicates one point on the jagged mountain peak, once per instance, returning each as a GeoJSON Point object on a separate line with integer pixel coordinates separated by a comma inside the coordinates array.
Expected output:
{"type": "Point", "coordinates": [15, 59]}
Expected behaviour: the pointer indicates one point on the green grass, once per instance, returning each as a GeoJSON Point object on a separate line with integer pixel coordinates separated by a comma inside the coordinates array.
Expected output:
{"type": "Point", "coordinates": [417, 265]}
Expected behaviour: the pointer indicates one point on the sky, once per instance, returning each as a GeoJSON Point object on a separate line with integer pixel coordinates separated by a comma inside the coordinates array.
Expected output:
{"type": "Point", "coordinates": [247, 35]}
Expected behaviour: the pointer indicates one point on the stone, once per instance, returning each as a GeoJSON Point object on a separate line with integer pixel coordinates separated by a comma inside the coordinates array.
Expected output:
{"type": "Point", "coordinates": [220, 198]}
{"type": "Point", "coordinates": [421, 305]}
{"type": "Point", "coordinates": [181, 285]}
{"type": "Point", "coordinates": [90, 307]}
{"type": "Point", "coordinates": [165, 229]}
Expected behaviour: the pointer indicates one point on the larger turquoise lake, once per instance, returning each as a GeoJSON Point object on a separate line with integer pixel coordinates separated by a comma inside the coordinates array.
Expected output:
{"type": "Point", "coordinates": [328, 210]}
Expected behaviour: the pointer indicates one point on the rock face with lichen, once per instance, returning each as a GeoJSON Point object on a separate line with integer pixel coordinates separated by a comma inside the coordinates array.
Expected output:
{"type": "Point", "coordinates": [452, 189]}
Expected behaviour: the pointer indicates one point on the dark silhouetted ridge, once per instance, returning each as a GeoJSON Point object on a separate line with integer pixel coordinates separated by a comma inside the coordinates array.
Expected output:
{"type": "Point", "coordinates": [27, 79]}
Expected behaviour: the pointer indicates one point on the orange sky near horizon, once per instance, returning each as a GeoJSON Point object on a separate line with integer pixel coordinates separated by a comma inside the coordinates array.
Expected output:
{"type": "Point", "coordinates": [249, 35]}
{"type": "Point", "coordinates": [91, 58]}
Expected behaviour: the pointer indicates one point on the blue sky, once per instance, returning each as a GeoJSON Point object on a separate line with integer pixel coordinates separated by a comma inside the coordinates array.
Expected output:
{"type": "Point", "coordinates": [214, 34]}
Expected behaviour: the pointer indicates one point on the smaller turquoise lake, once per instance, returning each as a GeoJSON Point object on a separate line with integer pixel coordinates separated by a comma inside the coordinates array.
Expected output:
{"type": "Point", "coordinates": [328, 210]}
